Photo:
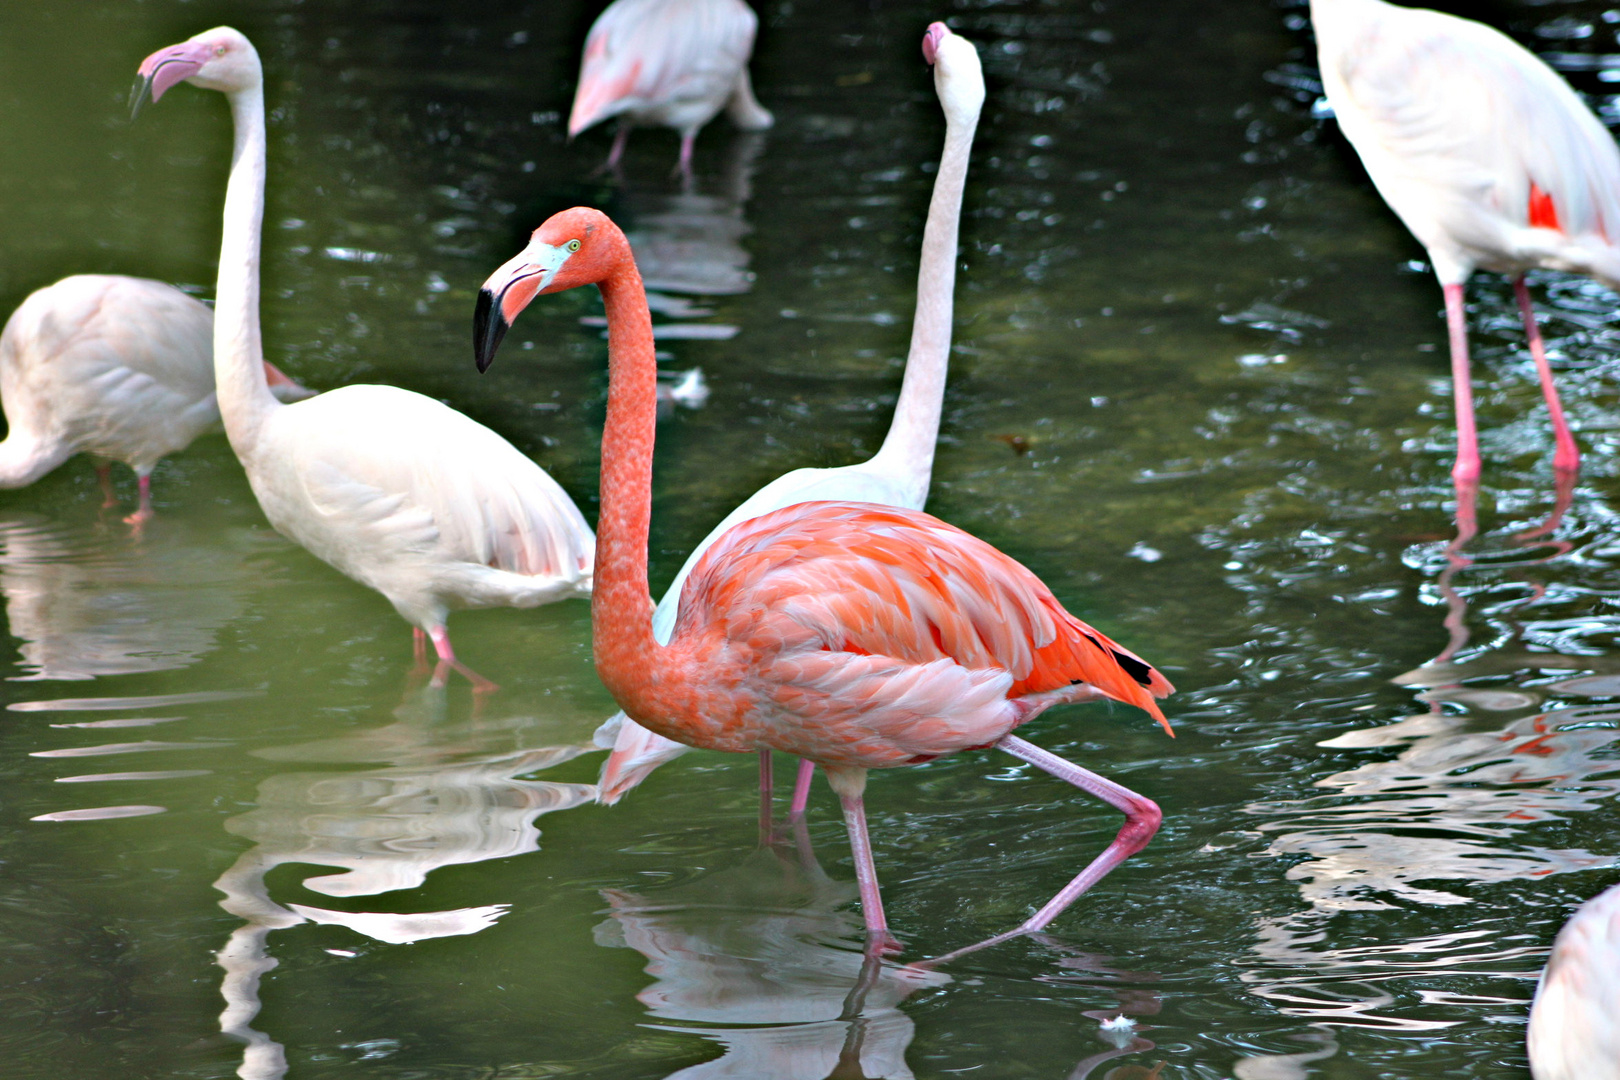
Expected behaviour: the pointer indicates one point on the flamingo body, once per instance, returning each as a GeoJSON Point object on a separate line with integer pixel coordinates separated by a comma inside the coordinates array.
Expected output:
{"type": "Point", "coordinates": [394, 489]}
{"type": "Point", "coordinates": [117, 367]}
{"type": "Point", "coordinates": [899, 474]}
{"type": "Point", "coordinates": [868, 637]}
{"type": "Point", "coordinates": [1489, 158]}
{"type": "Point", "coordinates": [668, 63]}
{"type": "Point", "coordinates": [408, 496]}
{"type": "Point", "coordinates": [1573, 1034]}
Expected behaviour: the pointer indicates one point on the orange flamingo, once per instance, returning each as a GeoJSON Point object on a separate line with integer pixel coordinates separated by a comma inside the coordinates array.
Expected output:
{"type": "Point", "coordinates": [854, 635]}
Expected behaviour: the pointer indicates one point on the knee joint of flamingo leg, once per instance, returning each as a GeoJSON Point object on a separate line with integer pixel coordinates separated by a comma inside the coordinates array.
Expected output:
{"type": "Point", "coordinates": [441, 644]}
{"type": "Point", "coordinates": [1142, 822]}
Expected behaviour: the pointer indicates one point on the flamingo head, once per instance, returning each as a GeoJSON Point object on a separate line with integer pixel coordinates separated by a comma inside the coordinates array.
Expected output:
{"type": "Point", "coordinates": [219, 59]}
{"type": "Point", "coordinates": [576, 247]}
{"type": "Point", "coordinates": [958, 79]}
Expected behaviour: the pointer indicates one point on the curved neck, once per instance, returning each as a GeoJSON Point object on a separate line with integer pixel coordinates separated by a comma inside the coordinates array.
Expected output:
{"type": "Point", "coordinates": [621, 603]}
{"type": "Point", "coordinates": [244, 397]}
{"type": "Point", "coordinates": [908, 450]}
{"type": "Point", "coordinates": [24, 457]}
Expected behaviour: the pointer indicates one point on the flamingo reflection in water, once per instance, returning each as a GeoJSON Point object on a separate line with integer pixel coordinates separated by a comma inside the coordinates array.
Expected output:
{"type": "Point", "coordinates": [450, 796]}
{"type": "Point", "coordinates": [757, 958]}
{"type": "Point", "coordinates": [87, 604]}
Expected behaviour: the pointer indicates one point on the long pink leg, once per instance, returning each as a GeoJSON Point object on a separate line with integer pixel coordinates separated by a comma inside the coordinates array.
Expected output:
{"type": "Point", "coordinates": [683, 167]}
{"type": "Point", "coordinates": [620, 138]}
{"type": "Point", "coordinates": [109, 497]}
{"type": "Point", "coordinates": [850, 784]}
{"type": "Point", "coordinates": [1142, 817]}
{"type": "Point", "coordinates": [441, 645]}
{"type": "Point", "coordinates": [143, 509]}
{"type": "Point", "coordinates": [801, 788]}
{"type": "Point", "coordinates": [1566, 458]}
{"type": "Point", "coordinates": [1462, 388]}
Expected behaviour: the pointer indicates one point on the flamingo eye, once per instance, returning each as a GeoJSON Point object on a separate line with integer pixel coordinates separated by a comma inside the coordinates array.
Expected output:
{"type": "Point", "coordinates": [219, 50]}
{"type": "Point", "coordinates": [572, 245]}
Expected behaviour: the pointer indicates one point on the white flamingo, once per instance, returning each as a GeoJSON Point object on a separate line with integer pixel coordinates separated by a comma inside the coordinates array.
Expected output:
{"type": "Point", "coordinates": [1488, 157]}
{"type": "Point", "coordinates": [899, 473]}
{"type": "Point", "coordinates": [1575, 1019]}
{"type": "Point", "coordinates": [120, 368]}
{"type": "Point", "coordinates": [670, 63]}
{"type": "Point", "coordinates": [394, 489]}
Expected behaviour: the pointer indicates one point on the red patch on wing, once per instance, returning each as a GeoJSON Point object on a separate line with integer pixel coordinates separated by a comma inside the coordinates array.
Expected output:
{"type": "Point", "coordinates": [1543, 214]}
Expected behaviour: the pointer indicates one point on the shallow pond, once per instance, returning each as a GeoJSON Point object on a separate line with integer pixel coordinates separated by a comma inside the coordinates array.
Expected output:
{"type": "Point", "coordinates": [1199, 386]}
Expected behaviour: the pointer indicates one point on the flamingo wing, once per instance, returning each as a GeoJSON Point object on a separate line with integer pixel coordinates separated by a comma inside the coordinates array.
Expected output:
{"type": "Point", "coordinates": [1465, 131]}
{"type": "Point", "coordinates": [648, 53]}
{"type": "Point", "coordinates": [847, 601]}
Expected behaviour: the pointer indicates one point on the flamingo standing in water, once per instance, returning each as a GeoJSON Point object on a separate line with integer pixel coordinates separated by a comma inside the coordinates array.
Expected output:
{"type": "Point", "coordinates": [117, 367]}
{"type": "Point", "coordinates": [1489, 158]}
{"type": "Point", "coordinates": [396, 490]}
{"type": "Point", "coordinates": [898, 474]}
{"type": "Point", "coordinates": [1573, 1032]}
{"type": "Point", "coordinates": [855, 635]}
{"type": "Point", "coordinates": [671, 63]}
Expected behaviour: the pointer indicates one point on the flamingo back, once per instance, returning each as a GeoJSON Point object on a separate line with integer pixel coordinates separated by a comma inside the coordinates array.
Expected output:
{"type": "Point", "coordinates": [1483, 151]}
{"type": "Point", "coordinates": [838, 599]}
{"type": "Point", "coordinates": [654, 54]}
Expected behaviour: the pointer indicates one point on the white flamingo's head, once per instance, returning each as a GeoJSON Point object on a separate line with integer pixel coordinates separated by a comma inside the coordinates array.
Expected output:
{"type": "Point", "coordinates": [219, 59]}
{"type": "Point", "coordinates": [575, 247]}
{"type": "Point", "coordinates": [958, 79]}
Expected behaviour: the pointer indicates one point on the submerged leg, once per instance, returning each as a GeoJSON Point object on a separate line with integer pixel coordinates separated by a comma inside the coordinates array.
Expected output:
{"type": "Point", "coordinates": [109, 497]}
{"type": "Point", "coordinates": [143, 509]}
{"type": "Point", "coordinates": [850, 784]}
{"type": "Point", "coordinates": [767, 789]}
{"type": "Point", "coordinates": [801, 788]}
{"type": "Point", "coordinates": [1462, 388]}
{"type": "Point", "coordinates": [1566, 458]}
{"type": "Point", "coordinates": [1142, 818]}
{"type": "Point", "coordinates": [441, 644]}
{"type": "Point", "coordinates": [683, 167]}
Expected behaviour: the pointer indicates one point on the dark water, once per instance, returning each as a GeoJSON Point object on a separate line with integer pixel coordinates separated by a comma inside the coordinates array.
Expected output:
{"type": "Point", "coordinates": [1223, 360]}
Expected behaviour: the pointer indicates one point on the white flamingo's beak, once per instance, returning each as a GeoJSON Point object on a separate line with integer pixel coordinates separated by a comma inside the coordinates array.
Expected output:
{"type": "Point", "coordinates": [163, 69]}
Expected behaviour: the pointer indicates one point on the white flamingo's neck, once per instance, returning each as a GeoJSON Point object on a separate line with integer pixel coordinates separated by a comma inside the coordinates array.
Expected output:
{"type": "Point", "coordinates": [24, 458]}
{"type": "Point", "coordinates": [908, 451]}
{"type": "Point", "coordinates": [245, 400]}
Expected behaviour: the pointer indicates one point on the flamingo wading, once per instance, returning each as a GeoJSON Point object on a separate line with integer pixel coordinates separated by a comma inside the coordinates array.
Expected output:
{"type": "Point", "coordinates": [396, 490]}
{"type": "Point", "coordinates": [669, 63]}
{"type": "Point", "coordinates": [1487, 156]}
{"type": "Point", "coordinates": [854, 635]}
{"type": "Point", "coordinates": [120, 368]}
{"type": "Point", "coordinates": [898, 474]}
{"type": "Point", "coordinates": [1573, 1034]}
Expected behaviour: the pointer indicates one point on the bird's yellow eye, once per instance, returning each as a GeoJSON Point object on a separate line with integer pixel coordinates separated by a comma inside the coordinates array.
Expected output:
{"type": "Point", "coordinates": [572, 245]}
{"type": "Point", "coordinates": [219, 50]}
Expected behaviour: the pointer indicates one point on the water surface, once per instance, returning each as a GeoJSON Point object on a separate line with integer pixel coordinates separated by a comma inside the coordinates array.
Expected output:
{"type": "Point", "coordinates": [1199, 386]}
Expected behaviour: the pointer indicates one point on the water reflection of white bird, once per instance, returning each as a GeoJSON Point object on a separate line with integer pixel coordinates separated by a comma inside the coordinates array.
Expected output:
{"type": "Point", "coordinates": [87, 605]}
{"type": "Point", "coordinates": [671, 63]}
{"type": "Point", "coordinates": [398, 491]}
{"type": "Point", "coordinates": [457, 801]}
{"type": "Point", "coordinates": [759, 956]}
{"type": "Point", "coordinates": [1489, 158]}
{"type": "Point", "coordinates": [120, 368]}
{"type": "Point", "coordinates": [1575, 1019]}
{"type": "Point", "coordinates": [899, 473]}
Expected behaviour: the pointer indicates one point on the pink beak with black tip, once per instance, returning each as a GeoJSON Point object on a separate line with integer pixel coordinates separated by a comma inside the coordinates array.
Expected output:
{"type": "Point", "coordinates": [163, 69]}
{"type": "Point", "coordinates": [935, 34]}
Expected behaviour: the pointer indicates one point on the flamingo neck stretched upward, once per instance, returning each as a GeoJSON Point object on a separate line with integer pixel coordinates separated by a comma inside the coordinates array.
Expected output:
{"type": "Point", "coordinates": [245, 400]}
{"type": "Point", "coordinates": [632, 665]}
{"type": "Point", "coordinates": [908, 449]}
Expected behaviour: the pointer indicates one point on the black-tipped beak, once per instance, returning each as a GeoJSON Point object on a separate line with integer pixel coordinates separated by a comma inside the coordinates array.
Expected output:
{"type": "Point", "coordinates": [488, 330]}
{"type": "Point", "coordinates": [139, 95]}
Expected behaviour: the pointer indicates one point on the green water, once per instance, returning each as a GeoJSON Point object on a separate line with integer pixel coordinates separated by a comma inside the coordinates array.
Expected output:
{"type": "Point", "coordinates": [1225, 364]}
